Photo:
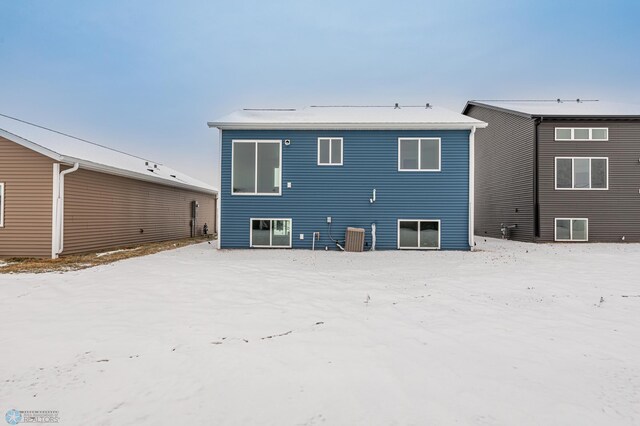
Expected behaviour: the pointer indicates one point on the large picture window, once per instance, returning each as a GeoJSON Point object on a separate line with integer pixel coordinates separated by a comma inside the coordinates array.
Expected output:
{"type": "Point", "coordinates": [330, 151]}
{"type": "Point", "coordinates": [271, 233]}
{"type": "Point", "coordinates": [256, 168]}
{"type": "Point", "coordinates": [418, 234]}
{"type": "Point", "coordinates": [419, 154]}
{"type": "Point", "coordinates": [572, 229]}
{"type": "Point", "coordinates": [582, 173]}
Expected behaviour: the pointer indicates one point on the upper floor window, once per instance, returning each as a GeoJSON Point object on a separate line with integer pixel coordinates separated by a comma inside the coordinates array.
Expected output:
{"type": "Point", "coordinates": [330, 151]}
{"type": "Point", "coordinates": [582, 173]}
{"type": "Point", "coordinates": [419, 154]}
{"type": "Point", "coordinates": [256, 167]}
{"type": "Point", "coordinates": [582, 133]}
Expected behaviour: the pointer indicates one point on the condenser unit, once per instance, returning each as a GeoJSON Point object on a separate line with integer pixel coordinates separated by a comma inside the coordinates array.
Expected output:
{"type": "Point", "coordinates": [354, 239]}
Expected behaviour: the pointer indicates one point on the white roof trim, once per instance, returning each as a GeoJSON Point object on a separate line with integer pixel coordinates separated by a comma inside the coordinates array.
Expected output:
{"type": "Point", "coordinates": [346, 126]}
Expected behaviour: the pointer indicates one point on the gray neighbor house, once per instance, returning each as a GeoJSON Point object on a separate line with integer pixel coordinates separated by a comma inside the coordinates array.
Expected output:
{"type": "Point", "coordinates": [557, 170]}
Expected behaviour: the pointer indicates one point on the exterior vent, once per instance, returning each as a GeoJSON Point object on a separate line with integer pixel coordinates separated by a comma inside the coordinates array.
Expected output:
{"type": "Point", "coordinates": [354, 239]}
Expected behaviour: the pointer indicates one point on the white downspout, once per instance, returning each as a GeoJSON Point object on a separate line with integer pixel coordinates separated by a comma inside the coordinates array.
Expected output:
{"type": "Point", "coordinates": [59, 208]}
{"type": "Point", "coordinates": [472, 140]}
{"type": "Point", "coordinates": [54, 210]}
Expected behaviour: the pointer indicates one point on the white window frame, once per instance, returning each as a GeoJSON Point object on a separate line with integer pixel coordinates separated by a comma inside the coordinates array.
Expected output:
{"type": "Point", "coordinates": [571, 219]}
{"type": "Point", "coordinates": [573, 138]}
{"type": "Point", "coordinates": [331, 139]}
{"type": "Point", "coordinates": [419, 220]}
{"type": "Point", "coordinates": [573, 176]}
{"type": "Point", "coordinates": [2, 203]}
{"type": "Point", "coordinates": [256, 141]}
{"type": "Point", "coordinates": [420, 139]}
{"type": "Point", "coordinates": [271, 219]}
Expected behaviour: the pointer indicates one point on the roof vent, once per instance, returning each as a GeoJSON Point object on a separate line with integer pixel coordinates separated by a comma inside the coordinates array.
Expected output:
{"type": "Point", "coordinates": [578, 100]}
{"type": "Point", "coordinates": [151, 170]}
{"type": "Point", "coordinates": [173, 176]}
{"type": "Point", "coordinates": [428, 105]}
{"type": "Point", "coordinates": [397, 106]}
{"type": "Point", "coordinates": [559, 100]}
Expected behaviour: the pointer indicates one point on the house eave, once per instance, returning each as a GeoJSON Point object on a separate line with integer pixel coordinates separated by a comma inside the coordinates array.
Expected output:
{"type": "Point", "coordinates": [346, 126]}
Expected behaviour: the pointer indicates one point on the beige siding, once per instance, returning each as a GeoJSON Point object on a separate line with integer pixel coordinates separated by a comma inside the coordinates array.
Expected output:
{"type": "Point", "coordinates": [103, 211]}
{"type": "Point", "coordinates": [28, 178]}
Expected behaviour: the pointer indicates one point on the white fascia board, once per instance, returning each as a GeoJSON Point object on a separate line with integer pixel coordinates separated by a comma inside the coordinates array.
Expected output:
{"type": "Point", "coordinates": [348, 126]}
{"type": "Point", "coordinates": [89, 165]}
{"type": "Point", "coordinates": [31, 145]}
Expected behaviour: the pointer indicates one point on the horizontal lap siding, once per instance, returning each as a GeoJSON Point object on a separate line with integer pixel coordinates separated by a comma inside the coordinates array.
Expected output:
{"type": "Point", "coordinates": [613, 213]}
{"type": "Point", "coordinates": [504, 177]}
{"type": "Point", "coordinates": [103, 211]}
{"type": "Point", "coordinates": [28, 179]}
{"type": "Point", "coordinates": [343, 192]}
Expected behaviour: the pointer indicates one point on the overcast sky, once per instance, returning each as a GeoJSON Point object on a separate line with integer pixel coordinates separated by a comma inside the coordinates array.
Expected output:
{"type": "Point", "coordinates": [145, 76]}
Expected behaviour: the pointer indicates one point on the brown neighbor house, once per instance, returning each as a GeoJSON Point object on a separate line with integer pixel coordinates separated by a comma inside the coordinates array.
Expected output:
{"type": "Point", "coordinates": [557, 170]}
{"type": "Point", "coordinates": [62, 195]}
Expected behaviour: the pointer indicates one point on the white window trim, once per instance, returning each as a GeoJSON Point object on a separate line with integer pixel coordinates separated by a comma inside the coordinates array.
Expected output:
{"type": "Point", "coordinates": [256, 141]}
{"type": "Point", "coordinates": [330, 149]}
{"type": "Point", "coordinates": [2, 203]}
{"type": "Point", "coordinates": [270, 234]}
{"type": "Point", "coordinates": [573, 173]}
{"type": "Point", "coordinates": [571, 219]}
{"type": "Point", "coordinates": [400, 169]}
{"type": "Point", "coordinates": [590, 129]}
{"type": "Point", "coordinates": [419, 220]}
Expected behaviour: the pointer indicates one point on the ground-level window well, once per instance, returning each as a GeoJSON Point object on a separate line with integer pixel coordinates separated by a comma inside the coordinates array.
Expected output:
{"type": "Point", "coordinates": [274, 233]}
{"type": "Point", "coordinates": [418, 234]}
{"type": "Point", "coordinates": [572, 229]}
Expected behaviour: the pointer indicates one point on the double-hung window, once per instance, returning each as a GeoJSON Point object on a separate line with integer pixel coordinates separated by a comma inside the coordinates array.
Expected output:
{"type": "Point", "coordinates": [581, 134]}
{"type": "Point", "coordinates": [572, 229]}
{"type": "Point", "coordinates": [256, 167]}
{"type": "Point", "coordinates": [329, 151]}
{"type": "Point", "coordinates": [582, 173]}
{"type": "Point", "coordinates": [1, 204]}
{"type": "Point", "coordinates": [418, 234]}
{"type": "Point", "coordinates": [419, 154]}
{"type": "Point", "coordinates": [271, 233]}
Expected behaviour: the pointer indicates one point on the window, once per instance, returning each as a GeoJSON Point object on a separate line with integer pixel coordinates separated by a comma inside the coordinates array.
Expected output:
{"type": "Point", "coordinates": [329, 151]}
{"type": "Point", "coordinates": [256, 168]}
{"type": "Point", "coordinates": [582, 173]}
{"type": "Point", "coordinates": [1, 204]}
{"type": "Point", "coordinates": [582, 133]}
{"type": "Point", "coordinates": [419, 154]}
{"type": "Point", "coordinates": [272, 233]}
{"type": "Point", "coordinates": [418, 234]}
{"type": "Point", "coordinates": [572, 229]}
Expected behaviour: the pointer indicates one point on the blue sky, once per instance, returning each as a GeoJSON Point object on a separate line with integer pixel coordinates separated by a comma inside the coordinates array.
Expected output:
{"type": "Point", "coordinates": [145, 76]}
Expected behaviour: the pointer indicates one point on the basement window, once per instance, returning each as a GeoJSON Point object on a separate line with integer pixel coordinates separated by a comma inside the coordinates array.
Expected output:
{"type": "Point", "coordinates": [581, 134]}
{"type": "Point", "coordinates": [418, 234]}
{"type": "Point", "coordinates": [419, 154]}
{"type": "Point", "coordinates": [271, 233]}
{"type": "Point", "coordinates": [329, 151]}
{"type": "Point", "coordinates": [572, 229]}
{"type": "Point", "coordinates": [582, 173]}
{"type": "Point", "coordinates": [255, 167]}
{"type": "Point", "coordinates": [1, 204]}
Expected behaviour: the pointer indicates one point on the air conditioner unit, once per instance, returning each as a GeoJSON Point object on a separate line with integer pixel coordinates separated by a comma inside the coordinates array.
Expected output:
{"type": "Point", "coordinates": [354, 239]}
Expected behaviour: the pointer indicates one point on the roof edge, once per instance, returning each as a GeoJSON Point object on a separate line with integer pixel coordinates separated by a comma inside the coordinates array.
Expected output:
{"type": "Point", "coordinates": [346, 126]}
{"type": "Point", "coordinates": [495, 108]}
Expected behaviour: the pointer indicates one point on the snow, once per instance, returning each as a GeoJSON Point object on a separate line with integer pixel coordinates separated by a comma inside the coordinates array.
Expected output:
{"type": "Point", "coordinates": [512, 334]}
{"type": "Point", "coordinates": [571, 108]}
{"type": "Point", "coordinates": [89, 154]}
{"type": "Point", "coordinates": [347, 117]}
{"type": "Point", "coordinates": [107, 253]}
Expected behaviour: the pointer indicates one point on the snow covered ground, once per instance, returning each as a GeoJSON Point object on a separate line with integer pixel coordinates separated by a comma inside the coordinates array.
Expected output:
{"type": "Point", "coordinates": [514, 334]}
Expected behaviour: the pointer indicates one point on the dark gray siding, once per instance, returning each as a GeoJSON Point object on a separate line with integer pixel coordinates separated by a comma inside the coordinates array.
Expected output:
{"type": "Point", "coordinates": [613, 213]}
{"type": "Point", "coordinates": [504, 176]}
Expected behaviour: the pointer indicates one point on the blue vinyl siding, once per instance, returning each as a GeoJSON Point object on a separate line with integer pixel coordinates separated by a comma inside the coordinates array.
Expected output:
{"type": "Point", "coordinates": [342, 192]}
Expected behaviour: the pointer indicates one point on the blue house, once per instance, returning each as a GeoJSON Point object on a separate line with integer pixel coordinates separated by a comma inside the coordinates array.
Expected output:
{"type": "Point", "coordinates": [297, 178]}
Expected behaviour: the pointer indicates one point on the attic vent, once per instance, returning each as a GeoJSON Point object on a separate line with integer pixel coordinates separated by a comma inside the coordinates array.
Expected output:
{"type": "Point", "coordinates": [397, 106]}
{"type": "Point", "coordinates": [428, 105]}
{"type": "Point", "coordinates": [173, 176]}
{"type": "Point", "coordinates": [354, 239]}
{"type": "Point", "coordinates": [151, 170]}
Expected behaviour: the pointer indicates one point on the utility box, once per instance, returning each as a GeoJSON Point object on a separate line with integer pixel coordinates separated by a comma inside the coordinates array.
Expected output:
{"type": "Point", "coordinates": [354, 239]}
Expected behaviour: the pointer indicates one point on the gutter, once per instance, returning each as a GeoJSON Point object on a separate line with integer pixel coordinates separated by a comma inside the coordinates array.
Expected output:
{"type": "Point", "coordinates": [57, 224]}
{"type": "Point", "coordinates": [346, 126]}
{"type": "Point", "coordinates": [472, 141]}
